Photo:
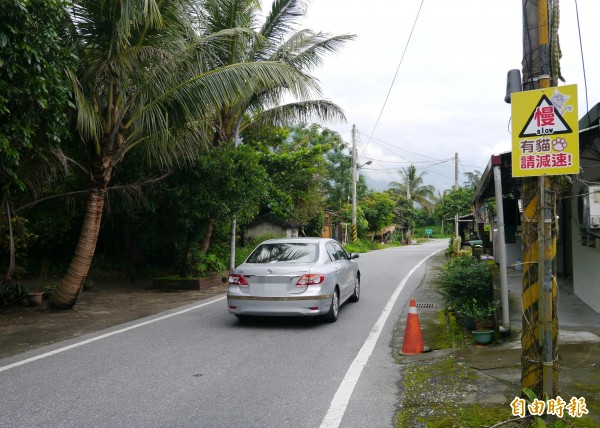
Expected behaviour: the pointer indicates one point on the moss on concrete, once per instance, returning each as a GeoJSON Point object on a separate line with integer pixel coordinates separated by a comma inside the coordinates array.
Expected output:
{"type": "Point", "coordinates": [446, 405]}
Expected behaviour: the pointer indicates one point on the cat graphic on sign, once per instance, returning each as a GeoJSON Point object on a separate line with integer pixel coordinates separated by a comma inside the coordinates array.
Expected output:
{"type": "Point", "coordinates": [546, 118]}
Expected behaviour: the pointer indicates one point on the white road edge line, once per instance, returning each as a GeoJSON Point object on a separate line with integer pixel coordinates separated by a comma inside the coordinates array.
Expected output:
{"type": "Point", "coordinates": [340, 401]}
{"type": "Point", "coordinates": [104, 336]}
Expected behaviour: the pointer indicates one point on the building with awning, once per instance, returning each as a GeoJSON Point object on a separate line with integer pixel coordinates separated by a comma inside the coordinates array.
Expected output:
{"type": "Point", "coordinates": [578, 244]}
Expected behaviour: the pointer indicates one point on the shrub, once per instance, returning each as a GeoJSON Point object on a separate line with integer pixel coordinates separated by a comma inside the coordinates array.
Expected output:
{"type": "Point", "coordinates": [210, 264]}
{"type": "Point", "coordinates": [11, 292]}
{"type": "Point", "coordinates": [453, 246]}
{"type": "Point", "coordinates": [463, 280]}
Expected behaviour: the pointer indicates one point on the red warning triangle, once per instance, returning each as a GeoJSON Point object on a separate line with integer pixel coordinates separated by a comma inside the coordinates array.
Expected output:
{"type": "Point", "coordinates": [545, 120]}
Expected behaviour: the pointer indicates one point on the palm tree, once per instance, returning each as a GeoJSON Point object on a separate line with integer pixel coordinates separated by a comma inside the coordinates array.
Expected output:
{"type": "Point", "coordinates": [146, 80]}
{"type": "Point", "coordinates": [413, 188]}
{"type": "Point", "coordinates": [274, 40]}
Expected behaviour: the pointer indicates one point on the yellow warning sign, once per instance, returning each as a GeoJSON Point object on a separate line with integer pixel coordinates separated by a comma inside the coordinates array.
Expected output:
{"type": "Point", "coordinates": [545, 132]}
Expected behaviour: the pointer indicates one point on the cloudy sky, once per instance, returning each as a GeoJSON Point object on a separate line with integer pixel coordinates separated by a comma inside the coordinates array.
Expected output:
{"type": "Point", "coordinates": [448, 94]}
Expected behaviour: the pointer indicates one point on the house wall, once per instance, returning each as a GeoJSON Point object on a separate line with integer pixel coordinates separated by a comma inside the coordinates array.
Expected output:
{"type": "Point", "coordinates": [514, 251]}
{"type": "Point", "coordinates": [267, 229]}
{"type": "Point", "coordinates": [586, 259]}
{"type": "Point", "coordinates": [272, 230]}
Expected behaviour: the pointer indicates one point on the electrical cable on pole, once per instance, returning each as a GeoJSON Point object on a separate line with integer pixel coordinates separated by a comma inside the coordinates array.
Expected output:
{"type": "Point", "coordinates": [539, 362]}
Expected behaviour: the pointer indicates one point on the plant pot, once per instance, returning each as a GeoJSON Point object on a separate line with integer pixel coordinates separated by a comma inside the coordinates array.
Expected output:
{"type": "Point", "coordinates": [469, 323]}
{"type": "Point", "coordinates": [483, 336]}
{"type": "Point", "coordinates": [483, 325]}
{"type": "Point", "coordinates": [34, 298]}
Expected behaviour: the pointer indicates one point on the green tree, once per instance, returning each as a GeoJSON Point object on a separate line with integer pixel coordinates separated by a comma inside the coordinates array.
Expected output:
{"type": "Point", "coordinates": [145, 80]}
{"type": "Point", "coordinates": [296, 166]}
{"type": "Point", "coordinates": [424, 218]}
{"type": "Point", "coordinates": [204, 196]}
{"type": "Point", "coordinates": [472, 179]}
{"type": "Point", "coordinates": [273, 39]}
{"type": "Point", "coordinates": [34, 102]}
{"type": "Point", "coordinates": [413, 188]}
{"type": "Point", "coordinates": [378, 209]}
{"type": "Point", "coordinates": [405, 214]}
{"type": "Point", "coordinates": [338, 185]}
{"type": "Point", "coordinates": [455, 202]}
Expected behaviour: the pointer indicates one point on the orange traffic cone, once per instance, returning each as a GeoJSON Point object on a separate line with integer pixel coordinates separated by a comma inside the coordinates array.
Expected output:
{"type": "Point", "coordinates": [413, 339]}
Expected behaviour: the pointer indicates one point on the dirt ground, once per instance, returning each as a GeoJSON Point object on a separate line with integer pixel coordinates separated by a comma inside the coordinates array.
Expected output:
{"type": "Point", "coordinates": [107, 303]}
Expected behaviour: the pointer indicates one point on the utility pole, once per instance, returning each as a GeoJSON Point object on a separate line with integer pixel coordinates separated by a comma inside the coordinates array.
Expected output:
{"type": "Point", "coordinates": [456, 232]}
{"type": "Point", "coordinates": [236, 143]}
{"type": "Point", "coordinates": [455, 171]}
{"type": "Point", "coordinates": [354, 168]}
{"type": "Point", "coordinates": [539, 368]}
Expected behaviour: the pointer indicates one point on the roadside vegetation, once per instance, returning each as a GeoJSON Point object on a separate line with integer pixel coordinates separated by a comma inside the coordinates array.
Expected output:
{"type": "Point", "coordinates": [130, 137]}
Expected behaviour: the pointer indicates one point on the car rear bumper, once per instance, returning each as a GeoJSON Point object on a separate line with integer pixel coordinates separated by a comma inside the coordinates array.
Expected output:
{"type": "Point", "coordinates": [279, 306]}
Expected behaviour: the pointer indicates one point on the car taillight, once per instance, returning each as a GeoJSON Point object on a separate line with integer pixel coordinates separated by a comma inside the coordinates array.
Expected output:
{"type": "Point", "coordinates": [237, 279]}
{"type": "Point", "coordinates": [310, 279]}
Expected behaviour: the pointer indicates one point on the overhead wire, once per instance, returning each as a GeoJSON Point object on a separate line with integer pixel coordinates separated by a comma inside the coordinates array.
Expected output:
{"type": "Point", "coordinates": [587, 106]}
{"type": "Point", "coordinates": [380, 141]}
{"type": "Point", "coordinates": [396, 74]}
{"type": "Point", "coordinates": [382, 178]}
{"type": "Point", "coordinates": [392, 173]}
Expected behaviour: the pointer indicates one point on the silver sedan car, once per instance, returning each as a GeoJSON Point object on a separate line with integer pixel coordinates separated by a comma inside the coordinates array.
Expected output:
{"type": "Point", "coordinates": [294, 277]}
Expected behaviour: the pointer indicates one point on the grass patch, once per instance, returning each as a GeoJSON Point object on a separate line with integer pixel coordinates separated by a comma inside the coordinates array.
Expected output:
{"type": "Point", "coordinates": [453, 333]}
{"type": "Point", "coordinates": [363, 246]}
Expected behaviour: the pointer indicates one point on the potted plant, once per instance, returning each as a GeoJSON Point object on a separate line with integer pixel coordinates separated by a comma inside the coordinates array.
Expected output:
{"type": "Point", "coordinates": [34, 297]}
{"type": "Point", "coordinates": [481, 313]}
{"type": "Point", "coordinates": [466, 284]}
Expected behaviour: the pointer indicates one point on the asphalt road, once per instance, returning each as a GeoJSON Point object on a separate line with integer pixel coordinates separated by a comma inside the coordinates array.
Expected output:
{"type": "Point", "coordinates": [198, 366]}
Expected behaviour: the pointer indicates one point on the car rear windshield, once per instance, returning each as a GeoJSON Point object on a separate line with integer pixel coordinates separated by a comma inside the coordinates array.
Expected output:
{"type": "Point", "coordinates": [284, 252]}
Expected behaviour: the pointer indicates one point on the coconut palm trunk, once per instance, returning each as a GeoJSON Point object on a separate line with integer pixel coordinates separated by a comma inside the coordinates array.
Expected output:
{"type": "Point", "coordinates": [67, 293]}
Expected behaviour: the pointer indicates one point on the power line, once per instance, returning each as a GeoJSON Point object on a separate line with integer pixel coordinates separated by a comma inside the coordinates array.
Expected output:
{"type": "Point", "coordinates": [404, 161]}
{"type": "Point", "coordinates": [380, 141]}
{"type": "Point", "coordinates": [587, 107]}
{"type": "Point", "coordinates": [382, 178]}
{"type": "Point", "coordinates": [396, 74]}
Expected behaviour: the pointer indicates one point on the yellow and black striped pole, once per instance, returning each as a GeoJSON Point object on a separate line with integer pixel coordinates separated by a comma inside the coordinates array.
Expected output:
{"type": "Point", "coordinates": [354, 168]}
{"type": "Point", "coordinates": [539, 368]}
{"type": "Point", "coordinates": [531, 374]}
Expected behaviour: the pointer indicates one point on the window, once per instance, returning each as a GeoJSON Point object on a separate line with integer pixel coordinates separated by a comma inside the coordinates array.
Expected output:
{"type": "Point", "coordinates": [284, 252]}
{"type": "Point", "coordinates": [333, 253]}
{"type": "Point", "coordinates": [342, 254]}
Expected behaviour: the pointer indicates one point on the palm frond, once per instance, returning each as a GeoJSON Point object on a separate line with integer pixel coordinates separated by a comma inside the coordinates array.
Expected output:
{"type": "Point", "coordinates": [305, 50]}
{"type": "Point", "coordinates": [321, 111]}
{"type": "Point", "coordinates": [193, 98]}
{"type": "Point", "coordinates": [89, 122]}
{"type": "Point", "coordinates": [281, 19]}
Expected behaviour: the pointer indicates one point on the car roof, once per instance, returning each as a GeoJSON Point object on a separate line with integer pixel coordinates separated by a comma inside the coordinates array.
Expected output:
{"type": "Point", "coordinates": [299, 240]}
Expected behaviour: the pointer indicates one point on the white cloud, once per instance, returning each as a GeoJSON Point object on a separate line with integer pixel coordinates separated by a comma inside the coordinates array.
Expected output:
{"type": "Point", "coordinates": [449, 92]}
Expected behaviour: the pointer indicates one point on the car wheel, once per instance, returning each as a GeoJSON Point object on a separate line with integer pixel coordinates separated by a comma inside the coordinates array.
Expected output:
{"type": "Point", "coordinates": [242, 318]}
{"type": "Point", "coordinates": [356, 295]}
{"type": "Point", "coordinates": [332, 315]}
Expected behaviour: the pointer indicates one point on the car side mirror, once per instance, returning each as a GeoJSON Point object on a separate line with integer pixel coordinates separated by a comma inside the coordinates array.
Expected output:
{"type": "Point", "coordinates": [354, 256]}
